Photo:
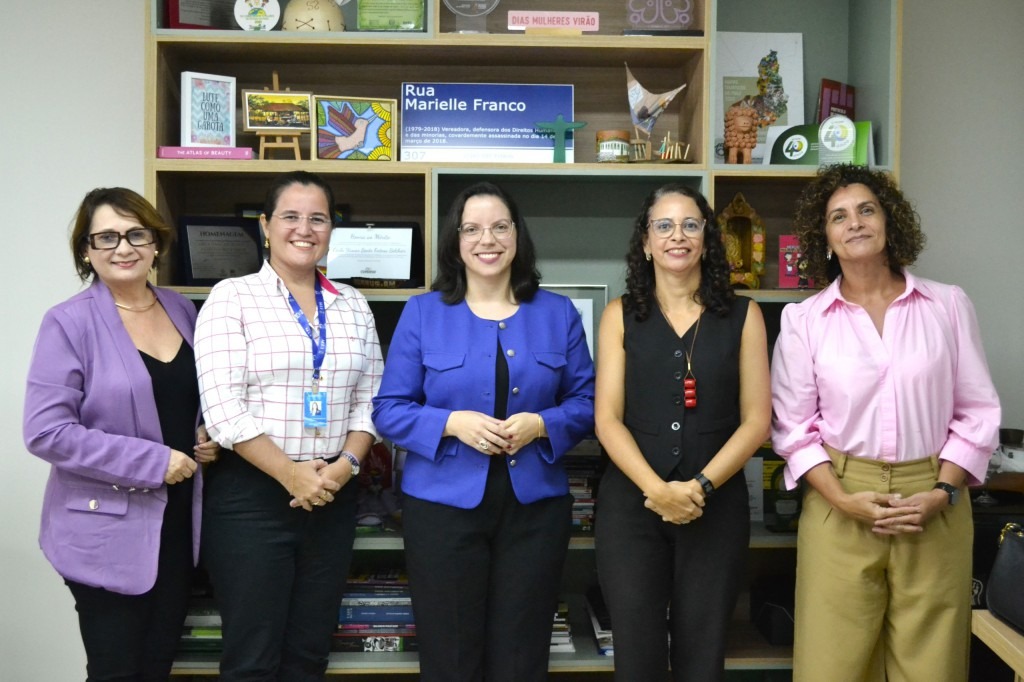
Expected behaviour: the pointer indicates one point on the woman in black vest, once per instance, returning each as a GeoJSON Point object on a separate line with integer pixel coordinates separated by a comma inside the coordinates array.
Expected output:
{"type": "Point", "coordinates": [683, 400]}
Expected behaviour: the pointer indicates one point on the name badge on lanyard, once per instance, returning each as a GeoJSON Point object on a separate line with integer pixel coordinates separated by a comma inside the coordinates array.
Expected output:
{"type": "Point", "coordinates": [314, 401]}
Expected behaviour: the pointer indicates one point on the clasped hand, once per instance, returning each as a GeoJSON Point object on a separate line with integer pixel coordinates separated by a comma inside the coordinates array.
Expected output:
{"type": "Point", "coordinates": [312, 484]}
{"type": "Point", "coordinates": [181, 466]}
{"type": "Point", "coordinates": [677, 502]}
{"type": "Point", "coordinates": [892, 514]}
{"type": "Point", "coordinates": [493, 436]}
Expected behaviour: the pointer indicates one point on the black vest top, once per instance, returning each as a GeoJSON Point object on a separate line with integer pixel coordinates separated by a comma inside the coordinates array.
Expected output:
{"type": "Point", "coordinates": [678, 441]}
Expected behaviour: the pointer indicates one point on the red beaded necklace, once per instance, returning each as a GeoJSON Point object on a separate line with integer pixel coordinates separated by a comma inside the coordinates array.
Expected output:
{"type": "Point", "coordinates": [689, 381]}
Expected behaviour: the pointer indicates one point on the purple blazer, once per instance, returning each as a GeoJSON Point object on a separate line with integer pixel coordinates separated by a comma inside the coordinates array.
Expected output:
{"type": "Point", "coordinates": [90, 412]}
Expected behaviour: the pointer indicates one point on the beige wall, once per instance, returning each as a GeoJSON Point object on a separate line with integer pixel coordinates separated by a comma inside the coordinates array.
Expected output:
{"type": "Point", "coordinates": [72, 120]}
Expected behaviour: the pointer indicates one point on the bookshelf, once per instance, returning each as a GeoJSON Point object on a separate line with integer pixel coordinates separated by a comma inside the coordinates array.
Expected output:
{"type": "Point", "coordinates": [580, 214]}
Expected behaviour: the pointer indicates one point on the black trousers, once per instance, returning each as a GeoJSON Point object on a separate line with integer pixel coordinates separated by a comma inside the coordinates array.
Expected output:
{"type": "Point", "coordinates": [132, 638]}
{"type": "Point", "coordinates": [485, 582]}
{"type": "Point", "coordinates": [277, 573]}
{"type": "Point", "coordinates": [649, 569]}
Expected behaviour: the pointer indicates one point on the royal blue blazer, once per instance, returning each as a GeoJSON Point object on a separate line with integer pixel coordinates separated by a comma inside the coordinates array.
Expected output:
{"type": "Point", "coordinates": [442, 358]}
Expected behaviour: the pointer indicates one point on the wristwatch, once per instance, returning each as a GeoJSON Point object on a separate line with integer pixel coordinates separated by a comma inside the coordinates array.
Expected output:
{"type": "Point", "coordinates": [951, 490]}
{"type": "Point", "coordinates": [709, 487]}
{"type": "Point", "coordinates": [353, 460]}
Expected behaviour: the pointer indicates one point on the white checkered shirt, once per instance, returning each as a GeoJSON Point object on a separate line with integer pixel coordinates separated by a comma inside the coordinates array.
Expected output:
{"type": "Point", "coordinates": [255, 363]}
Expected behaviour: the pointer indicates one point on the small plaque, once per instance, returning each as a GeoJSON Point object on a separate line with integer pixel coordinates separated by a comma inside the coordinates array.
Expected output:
{"type": "Point", "coordinates": [655, 16]}
{"type": "Point", "coordinates": [215, 248]}
{"type": "Point", "coordinates": [390, 15]}
{"type": "Point", "coordinates": [379, 255]}
{"type": "Point", "coordinates": [257, 15]}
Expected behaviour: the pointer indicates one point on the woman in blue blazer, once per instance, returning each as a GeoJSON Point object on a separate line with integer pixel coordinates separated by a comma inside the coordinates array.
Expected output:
{"type": "Point", "coordinates": [112, 403]}
{"type": "Point", "coordinates": [488, 382]}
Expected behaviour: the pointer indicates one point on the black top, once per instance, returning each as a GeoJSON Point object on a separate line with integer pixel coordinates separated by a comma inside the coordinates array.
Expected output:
{"type": "Point", "coordinates": [678, 441]}
{"type": "Point", "coordinates": [176, 390]}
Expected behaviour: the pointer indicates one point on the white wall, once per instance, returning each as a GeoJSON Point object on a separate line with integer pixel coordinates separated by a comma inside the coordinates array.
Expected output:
{"type": "Point", "coordinates": [77, 75]}
{"type": "Point", "coordinates": [71, 120]}
{"type": "Point", "coordinates": [963, 164]}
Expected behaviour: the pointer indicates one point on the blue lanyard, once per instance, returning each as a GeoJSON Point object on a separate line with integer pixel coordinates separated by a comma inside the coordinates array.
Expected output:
{"type": "Point", "coordinates": [319, 347]}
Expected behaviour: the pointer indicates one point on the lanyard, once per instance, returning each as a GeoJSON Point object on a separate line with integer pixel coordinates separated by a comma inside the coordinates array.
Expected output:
{"type": "Point", "coordinates": [319, 347]}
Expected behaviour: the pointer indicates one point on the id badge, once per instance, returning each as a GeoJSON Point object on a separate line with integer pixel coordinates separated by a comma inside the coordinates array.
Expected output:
{"type": "Point", "coordinates": [314, 409]}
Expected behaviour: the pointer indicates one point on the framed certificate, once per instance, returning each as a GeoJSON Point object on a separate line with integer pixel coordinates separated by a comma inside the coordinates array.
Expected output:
{"type": "Point", "coordinates": [217, 247]}
{"type": "Point", "coordinates": [589, 300]}
{"type": "Point", "coordinates": [377, 255]}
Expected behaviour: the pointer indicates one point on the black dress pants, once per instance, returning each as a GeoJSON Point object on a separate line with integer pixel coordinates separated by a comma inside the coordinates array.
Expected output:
{"type": "Point", "coordinates": [649, 569]}
{"type": "Point", "coordinates": [485, 582]}
{"type": "Point", "coordinates": [277, 573]}
{"type": "Point", "coordinates": [133, 638]}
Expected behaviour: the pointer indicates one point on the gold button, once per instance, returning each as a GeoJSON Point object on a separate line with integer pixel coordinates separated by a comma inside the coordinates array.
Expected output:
{"type": "Point", "coordinates": [511, 353]}
{"type": "Point", "coordinates": [885, 467]}
{"type": "Point", "coordinates": [885, 477]}
{"type": "Point", "coordinates": [94, 504]}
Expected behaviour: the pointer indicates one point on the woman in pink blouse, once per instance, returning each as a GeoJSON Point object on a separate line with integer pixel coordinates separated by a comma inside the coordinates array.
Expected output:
{"type": "Point", "coordinates": [884, 405]}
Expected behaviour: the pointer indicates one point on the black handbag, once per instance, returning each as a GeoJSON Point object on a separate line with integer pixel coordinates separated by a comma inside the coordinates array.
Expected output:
{"type": "Point", "coordinates": [1005, 597]}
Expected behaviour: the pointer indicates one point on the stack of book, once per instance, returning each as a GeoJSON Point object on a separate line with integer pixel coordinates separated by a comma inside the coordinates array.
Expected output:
{"type": "Point", "coordinates": [583, 475]}
{"type": "Point", "coordinates": [600, 621]}
{"type": "Point", "coordinates": [561, 633]}
{"type": "Point", "coordinates": [376, 614]}
{"type": "Point", "coordinates": [202, 631]}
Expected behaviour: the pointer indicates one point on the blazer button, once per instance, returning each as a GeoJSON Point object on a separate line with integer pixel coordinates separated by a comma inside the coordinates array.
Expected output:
{"type": "Point", "coordinates": [675, 426]}
{"type": "Point", "coordinates": [678, 353]}
{"type": "Point", "coordinates": [94, 504]}
{"type": "Point", "coordinates": [677, 375]}
{"type": "Point", "coordinates": [512, 462]}
{"type": "Point", "coordinates": [675, 452]}
{"type": "Point", "coordinates": [677, 400]}
{"type": "Point", "coordinates": [501, 325]}
{"type": "Point", "coordinates": [515, 390]}
{"type": "Point", "coordinates": [510, 352]}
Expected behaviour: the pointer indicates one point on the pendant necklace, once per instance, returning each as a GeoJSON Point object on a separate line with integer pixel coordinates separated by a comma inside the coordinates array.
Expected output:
{"type": "Point", "coordinates": [689, 382]}
{"type": "Point", "coordinates": [139, 309]}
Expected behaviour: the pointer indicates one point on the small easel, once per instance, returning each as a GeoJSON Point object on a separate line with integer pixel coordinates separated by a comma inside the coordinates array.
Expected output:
{"type": "Point", "coordinates": [639, 147]}
{"type": "Point", "coordinates": [281, 140]}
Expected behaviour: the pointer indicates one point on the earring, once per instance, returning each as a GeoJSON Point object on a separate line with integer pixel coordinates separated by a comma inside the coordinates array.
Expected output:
{"type": "Point", "coordinates": [704, 254]}
{"type": "Point", "coordinates": [85, 259]}
{"type": "Point", "coordinates": [266, 242]}
{"type": "Point", "coordinates": [647, 256]}
{"type": "Point", "coordinates": [155, 254]}
{"type": "Point", "coordinates": [828, 253]}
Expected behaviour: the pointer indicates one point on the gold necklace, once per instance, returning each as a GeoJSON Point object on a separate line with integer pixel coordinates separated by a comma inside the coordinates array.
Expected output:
{"type": "Point", "coordinates": [139, 309]}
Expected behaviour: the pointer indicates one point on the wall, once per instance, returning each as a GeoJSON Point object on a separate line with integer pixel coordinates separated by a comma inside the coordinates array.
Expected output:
{"type": "Point", "coordinates": [77, 74]}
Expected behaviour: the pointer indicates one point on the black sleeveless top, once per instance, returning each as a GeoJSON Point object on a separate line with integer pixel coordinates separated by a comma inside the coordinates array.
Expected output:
{"type": "Point", "coordinates": [176, 390]}
{"type": "Point", "coordinates": [678, 441]}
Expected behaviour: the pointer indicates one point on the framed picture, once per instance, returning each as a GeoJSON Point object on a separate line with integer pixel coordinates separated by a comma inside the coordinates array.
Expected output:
{"type": "Point", "coordinates": [275, 112]}
{"type": "Point", "coordinates": [353, 128]}
{"type": "Point", "coordinates": [207, 110]}
{"type": "Point", "coordinates": [190, 14]}
{"type": "Point", "coordinates": [590, 300]}
{"type": "Point", "coordinates": [217, 247]}
{"type": "Point", "coordinates": [378, 255]}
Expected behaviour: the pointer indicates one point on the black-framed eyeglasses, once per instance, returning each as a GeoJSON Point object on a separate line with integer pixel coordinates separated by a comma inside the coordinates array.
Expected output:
{"type": "Point", "coordinates": [111, 239]}
{"type": "Point", "coordinates": [665, 227]}
{"type": "Point", "coordinates": [473, 233]}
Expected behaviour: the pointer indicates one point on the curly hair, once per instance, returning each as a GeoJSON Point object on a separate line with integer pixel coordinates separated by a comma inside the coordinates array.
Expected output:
{"type": "Point", "coordinates": [451, 275]}
{"type": "Point", "coordinates": [904, 239]}
{"type": "Point", "coordinates": [714, 292]}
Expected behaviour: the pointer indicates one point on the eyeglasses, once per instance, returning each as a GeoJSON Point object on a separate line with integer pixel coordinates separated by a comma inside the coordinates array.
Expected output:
{"type": "Point", "coordinates": [316, 222]}
{"type": "Point", "coordinates": [105, 241]}
{"type": "Point", "coordinates": [664, 227]}
{"type": "Point", "coordinates": [473, 233]}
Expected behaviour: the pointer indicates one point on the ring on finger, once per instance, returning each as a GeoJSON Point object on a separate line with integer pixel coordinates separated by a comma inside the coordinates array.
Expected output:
{"type": "Point", "coordinates": [484, 445]}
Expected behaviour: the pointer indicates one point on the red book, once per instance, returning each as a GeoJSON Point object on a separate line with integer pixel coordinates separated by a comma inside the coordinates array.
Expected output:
{"type": "Point", "coordinates": [835, 98]}
{"type": "Point", "coordinates": [204, 153]}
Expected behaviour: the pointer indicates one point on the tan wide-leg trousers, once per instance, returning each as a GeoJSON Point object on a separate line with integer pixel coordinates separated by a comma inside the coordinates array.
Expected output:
{"type": "Point", "coordinates": [877, 608]}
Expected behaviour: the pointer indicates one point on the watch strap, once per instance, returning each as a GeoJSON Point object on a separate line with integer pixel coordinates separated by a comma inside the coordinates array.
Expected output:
{"type": "Point", "coordinates": [352, 460]}
{"type": "Point", "coordinates": [705, 482]}
{"type": "Point", "coordinates": [949, 489]}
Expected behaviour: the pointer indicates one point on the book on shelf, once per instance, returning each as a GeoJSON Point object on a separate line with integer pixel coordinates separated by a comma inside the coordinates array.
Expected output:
{"type": "Point", "coordinates": [207, 110]}
{"type": "Point", "coordinates": [600, 621]}
{"type": "Point", "coordinates": [377, 628]}
{"type": "Point", "coordinates": [374, 643]}
{"type": "Point", "coordinates": [836, 98]}
{"type": "Point", "coordinates": [396, 614]}
{"type": "Point", "coordinates": [202, 617]}
{"type": "Point", "coordinates": [561, 631]}
{"type": "Point", "coordinates": [167, 152]}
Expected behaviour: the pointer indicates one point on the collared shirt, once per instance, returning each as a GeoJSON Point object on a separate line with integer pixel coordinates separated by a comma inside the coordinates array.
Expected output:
{"type": "Point", "coordinates": [255, 363]}
{"type": "Point", "coordinates": [921, 388]}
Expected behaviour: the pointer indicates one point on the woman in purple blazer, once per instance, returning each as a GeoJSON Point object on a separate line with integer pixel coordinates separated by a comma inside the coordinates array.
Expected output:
{"type": "Point", "coordinates": [488, 382]}
{"type": "Point", "coordinates": [112, 403]}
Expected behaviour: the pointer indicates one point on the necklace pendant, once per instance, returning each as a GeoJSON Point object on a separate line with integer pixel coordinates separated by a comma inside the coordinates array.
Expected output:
{"type": "Point", "coordinates": [690, 392]}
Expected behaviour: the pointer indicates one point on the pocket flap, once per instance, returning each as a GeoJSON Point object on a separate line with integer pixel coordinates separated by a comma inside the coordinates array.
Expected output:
{"type": "Point", "coordinates": [550, 358]}
{"type": "Point", "coordinates": [441, 362]}
{"type": "Point", "coordinates": [97, 501]}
